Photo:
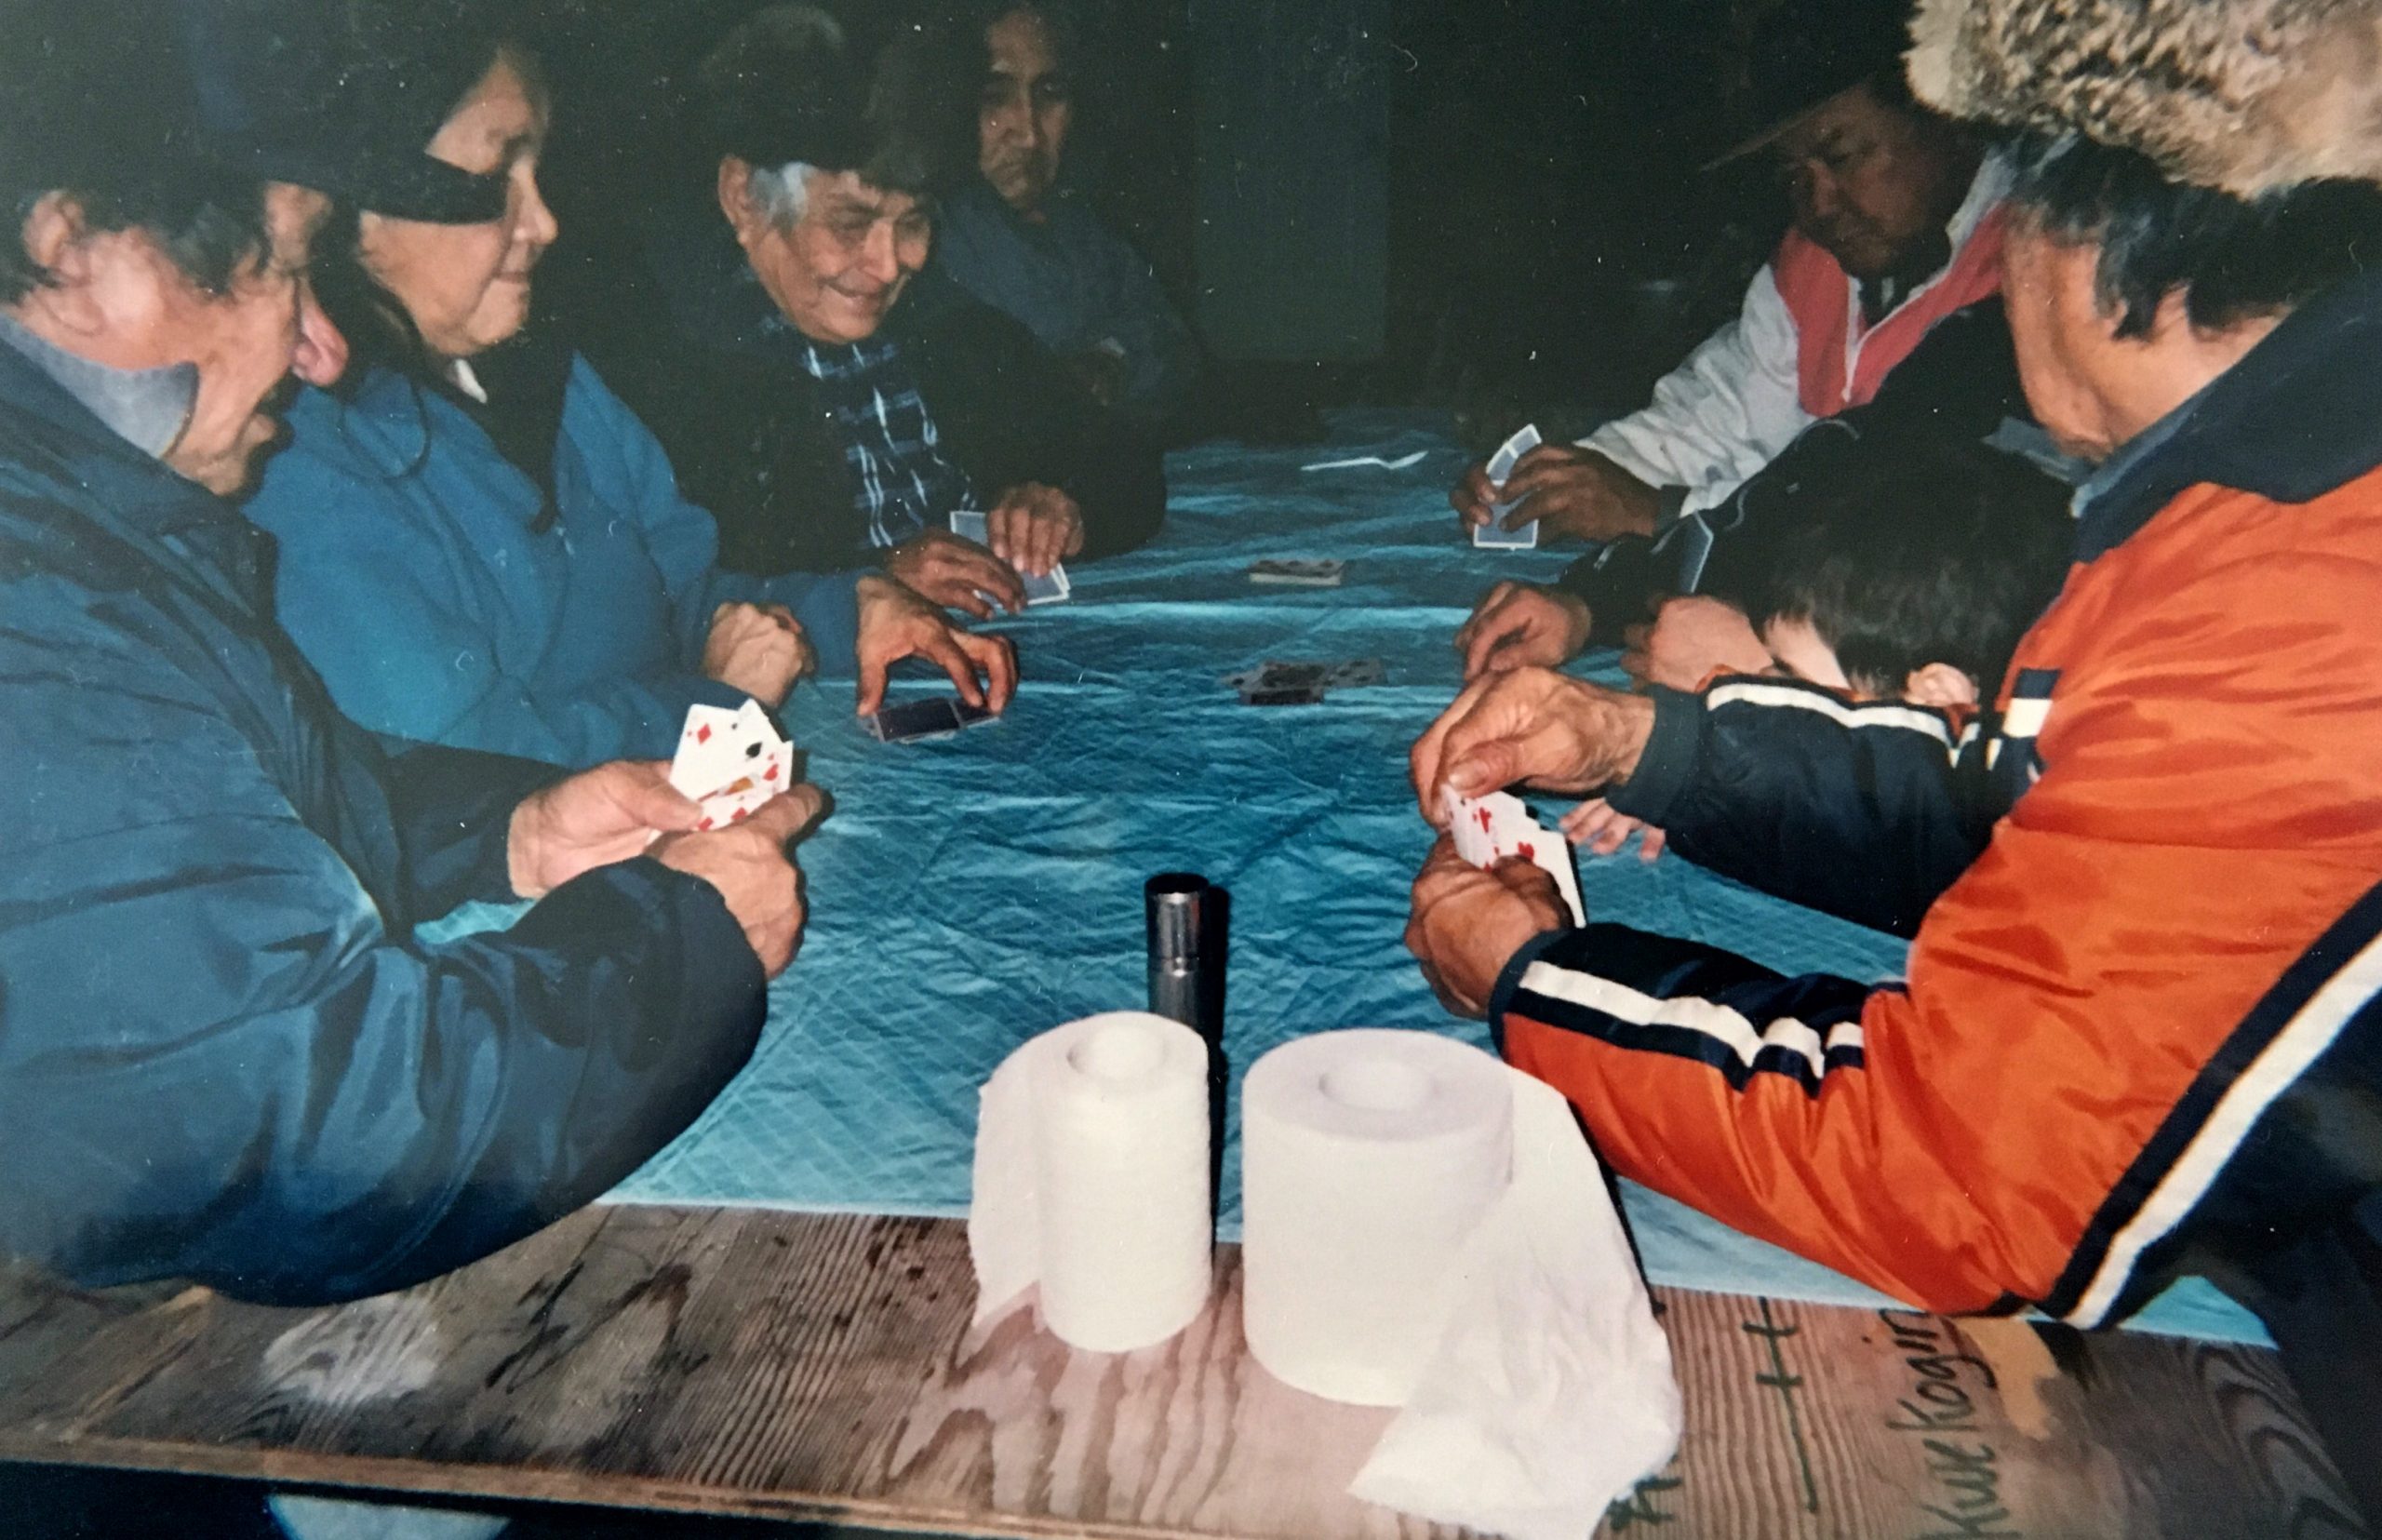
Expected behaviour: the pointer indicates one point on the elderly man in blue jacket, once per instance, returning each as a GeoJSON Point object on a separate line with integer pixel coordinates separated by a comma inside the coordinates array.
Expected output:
{"type": "Point", "coordinates": [224, 1054]}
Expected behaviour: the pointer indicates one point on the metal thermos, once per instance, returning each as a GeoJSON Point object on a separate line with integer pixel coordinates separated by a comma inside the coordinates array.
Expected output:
{"type": "Point", "coordinates": [1188, 919]}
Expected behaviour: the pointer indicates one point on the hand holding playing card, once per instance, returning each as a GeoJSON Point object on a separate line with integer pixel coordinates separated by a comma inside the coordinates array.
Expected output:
{"type": "Point", "coordinates": [1498, 828]}
{"type": "Point", "coordinates": [730, 762]}
{"type": "Point", "coordinates": [1034, 528]}
{"type": "Point", "coordinates": [594, 818]}
{"type": "Point", "coordinates": [1534, 726]}
{"type": "Point", "coordinates": [1467, 923]}
{"type": "Point", "coordinates": [756, 878]}
{"type": "Point", "coordinates": [896, 624]}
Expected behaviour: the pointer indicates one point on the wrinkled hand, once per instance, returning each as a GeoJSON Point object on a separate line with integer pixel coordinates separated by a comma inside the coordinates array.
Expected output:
{"type": "Point", "coordinates": [1034, 528]}
{"type": "Point", "coordinates": [1529, 725]}
{"type": "Point", "coordinates": [758, 649]}
{"type": "Point", "coordinates": [1468, 923]}
{"type": "Point", "coordinates": [1570, 490]}
{"type": "Point", "coordinates": [1596, 828]}
{"type": "Point", "coordinates": [748, 862]}
{"type": "Point", "coordinates": [956, 573]}
{"type": "Point", "coordinates": [1522, 624]}
{"type": "Point", "coordinates": [896, 624]}
{"type": "Point", "coordinates": [594, 818]}
{"type": "Point", "coordinates": [1691, 638]}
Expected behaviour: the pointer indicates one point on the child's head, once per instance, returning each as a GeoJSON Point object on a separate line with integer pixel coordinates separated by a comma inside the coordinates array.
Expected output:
{"type": "Point", "coordinates": [1913, 570]}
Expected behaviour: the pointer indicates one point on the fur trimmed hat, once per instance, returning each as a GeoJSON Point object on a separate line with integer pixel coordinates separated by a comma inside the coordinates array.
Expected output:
{"type": "Point", "coordinates": [2245, 95]}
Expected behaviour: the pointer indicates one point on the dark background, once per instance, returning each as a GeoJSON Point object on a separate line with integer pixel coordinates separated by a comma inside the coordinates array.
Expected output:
{"type": "Point", "coordinates": [1494, 206]}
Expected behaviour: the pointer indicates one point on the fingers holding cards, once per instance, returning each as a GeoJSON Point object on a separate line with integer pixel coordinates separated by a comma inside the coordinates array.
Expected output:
{"type": "Point", "coordinates": [1499, 828]}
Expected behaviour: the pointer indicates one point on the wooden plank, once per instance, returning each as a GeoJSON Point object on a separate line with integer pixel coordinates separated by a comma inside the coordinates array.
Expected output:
{"type": "Point", "coordinates": [823, 1367]}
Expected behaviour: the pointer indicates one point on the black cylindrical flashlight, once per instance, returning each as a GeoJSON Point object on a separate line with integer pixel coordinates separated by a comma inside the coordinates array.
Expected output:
{"type": "Point", "coordinates": [1188, 920]}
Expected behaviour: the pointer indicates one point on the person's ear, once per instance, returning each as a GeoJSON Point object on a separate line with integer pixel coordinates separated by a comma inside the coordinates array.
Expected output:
{"type": "Point", "coordinates": [736, 195]}
{"type": "Point", "coordinates": [59, 245]}
{"type": "Point", "coordinates": [1939, 685]}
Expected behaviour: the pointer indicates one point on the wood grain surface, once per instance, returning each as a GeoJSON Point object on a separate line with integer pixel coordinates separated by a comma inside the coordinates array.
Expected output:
{"type": "Point", "coordinates": [823, 1367]}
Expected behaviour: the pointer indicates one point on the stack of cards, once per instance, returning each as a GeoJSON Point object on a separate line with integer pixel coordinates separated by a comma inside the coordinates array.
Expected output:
{"type": "Point", "coordinates": [1280, 684]}
{"type": "Point", "coordinates": [730, 761]}
{"type": "Point", "coordinates": [1052, 587]}
{"type": "Point", "coordinates": [1490, 829]}
{"type": "Point", "coordinates": [1501, 465]}
{"type": "Point", "coordinates": [1305, 574]}
{"type": "Point", "coordinates": [913, 721]}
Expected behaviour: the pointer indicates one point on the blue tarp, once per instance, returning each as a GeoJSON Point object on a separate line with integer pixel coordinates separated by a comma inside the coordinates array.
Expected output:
{"type": "Point", "coordinates": [970, 892]}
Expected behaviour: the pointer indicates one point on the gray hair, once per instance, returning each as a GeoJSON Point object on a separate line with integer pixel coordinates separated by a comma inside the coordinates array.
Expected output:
{"type": "Point", "coordinates": [782, 194]}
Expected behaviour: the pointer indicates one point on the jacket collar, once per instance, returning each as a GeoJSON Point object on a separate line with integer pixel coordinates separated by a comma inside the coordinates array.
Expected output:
{"type": "Point", "coordinates": [2298, 416]}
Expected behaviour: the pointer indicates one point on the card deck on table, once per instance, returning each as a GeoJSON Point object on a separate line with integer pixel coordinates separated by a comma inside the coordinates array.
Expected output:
{"type": "Point", "coordinates": [1494, 535]}
{"type": "Point", "coordinates": [1491, 828]}
{"type": "Point", "coordinates": [1049, 588]}
{"type": "Point", "coordinates": [1305, 574]}
{"type": "Point", "coordinates": [730, 761]}
{"type": "Point", "coordinates": [1274, 683]}
{"type": "Point", "coordinates": [914, 721]}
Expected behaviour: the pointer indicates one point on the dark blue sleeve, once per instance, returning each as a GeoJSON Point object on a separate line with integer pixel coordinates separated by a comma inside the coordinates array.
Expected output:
{"type": "Point", "coordinates": [218, 1057]}
{"type": "Point", "coordinates": [452, 809]}
{"type": "Point", "coordinates": [1869, 811]}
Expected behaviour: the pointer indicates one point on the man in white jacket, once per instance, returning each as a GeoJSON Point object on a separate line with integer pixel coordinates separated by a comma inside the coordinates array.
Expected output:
{"type": "Point", "coordinates": [1896, 224]}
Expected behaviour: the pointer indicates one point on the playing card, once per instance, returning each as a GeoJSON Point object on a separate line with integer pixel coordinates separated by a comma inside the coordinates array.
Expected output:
{"type": "Point", "coordinates": [730, 761]}
{"type": "Point", "coordinates": [915, 721]}
{"type": "Point", "coordinates": [1305, 574]}
{"type": "Point", "coordinates": [1049, 588]}
{"type": "Point", "coordinates": [969, 524]}
{"type": "Point", "coordinates": [1353, 674]}
{"type": "Point", "coordinates": [1491, 828]}
{"type": "Point", "coordinates": [1289, 695]}
{"type": "Point", "coordinates": [1494, 534]}
{"type": "Point", "coordinates": [1510, 453]}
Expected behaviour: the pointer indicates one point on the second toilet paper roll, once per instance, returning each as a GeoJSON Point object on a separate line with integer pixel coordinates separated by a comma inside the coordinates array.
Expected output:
{"type": "Point", "coordinates": [1369, 1158]}
{"type": "Point", "coordinates": [1091, 1178]}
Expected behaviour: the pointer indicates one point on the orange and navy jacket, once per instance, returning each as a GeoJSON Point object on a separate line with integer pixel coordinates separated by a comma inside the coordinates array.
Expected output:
{"type": "Point", "coordinates": [2139, 1031]}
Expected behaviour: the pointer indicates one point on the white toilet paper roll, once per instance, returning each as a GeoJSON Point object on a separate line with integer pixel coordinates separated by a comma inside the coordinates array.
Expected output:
{"type": "Point", "coordinates": [1091, 1178]}
{"type": "Point", "coordinates": [1369, 1158]}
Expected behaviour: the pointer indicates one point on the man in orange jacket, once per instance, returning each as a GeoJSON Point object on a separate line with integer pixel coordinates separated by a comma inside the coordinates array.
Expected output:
{"type": "Point", "coordinates": [2139, 1033]}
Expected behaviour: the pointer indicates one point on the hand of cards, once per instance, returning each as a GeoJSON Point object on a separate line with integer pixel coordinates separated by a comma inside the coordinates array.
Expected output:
{"type": "Point", "coordinates": [1501, 465]}
{"type": "Point", "coordinates": [1491, 828]}
{"type": "Point", "coordinates": [730, 762]}
{"type": "Point", "coordinates": [1049, 588]}
{"type": "Point", "coordinates": [1280, 684]}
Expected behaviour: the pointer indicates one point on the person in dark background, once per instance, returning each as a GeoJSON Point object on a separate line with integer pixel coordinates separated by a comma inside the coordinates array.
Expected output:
{"type": "Point", "coordinates": [1020, 239]}
{"type": "Point", "coordinates": [828, 401]}
{"type": "Point", "coordinates": [1895, 225]}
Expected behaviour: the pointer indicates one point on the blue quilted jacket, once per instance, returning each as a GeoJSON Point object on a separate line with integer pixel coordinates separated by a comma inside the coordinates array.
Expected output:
{"type": "Point", "coordinates": [222, 1053]}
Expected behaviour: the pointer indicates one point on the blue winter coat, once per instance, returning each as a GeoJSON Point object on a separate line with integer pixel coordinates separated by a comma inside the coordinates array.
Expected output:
{"type": "Point", "coordinates": [413, 577]}
{"type": "Point", "coordinates": [222, 1053]}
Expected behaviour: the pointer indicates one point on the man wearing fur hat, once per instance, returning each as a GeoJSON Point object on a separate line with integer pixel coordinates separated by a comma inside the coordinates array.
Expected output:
{"type": "Point", "coordinates": [2140, 1034]}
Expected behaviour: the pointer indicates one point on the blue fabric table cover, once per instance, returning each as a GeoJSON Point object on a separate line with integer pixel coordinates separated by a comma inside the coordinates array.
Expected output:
{"type": "Point", "coordinates": [970, 892]}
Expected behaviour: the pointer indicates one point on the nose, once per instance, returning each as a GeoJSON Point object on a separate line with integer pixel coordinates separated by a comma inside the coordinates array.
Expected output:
{"type": "Point", "coordinates": [319, 356]}
{"type": "Point", "coordinates": [1817, 196]}
{"type": "Point", "coordinates": [880, 258]}
{"type": "Point", "coordinates": [535, 224]}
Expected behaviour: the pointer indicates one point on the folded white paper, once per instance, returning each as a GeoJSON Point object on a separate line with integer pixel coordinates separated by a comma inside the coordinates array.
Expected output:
{"type": "Point", "coordinates": [1426, 1228]}
{"type": "Point", "coordinates": [1092, 1180]}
